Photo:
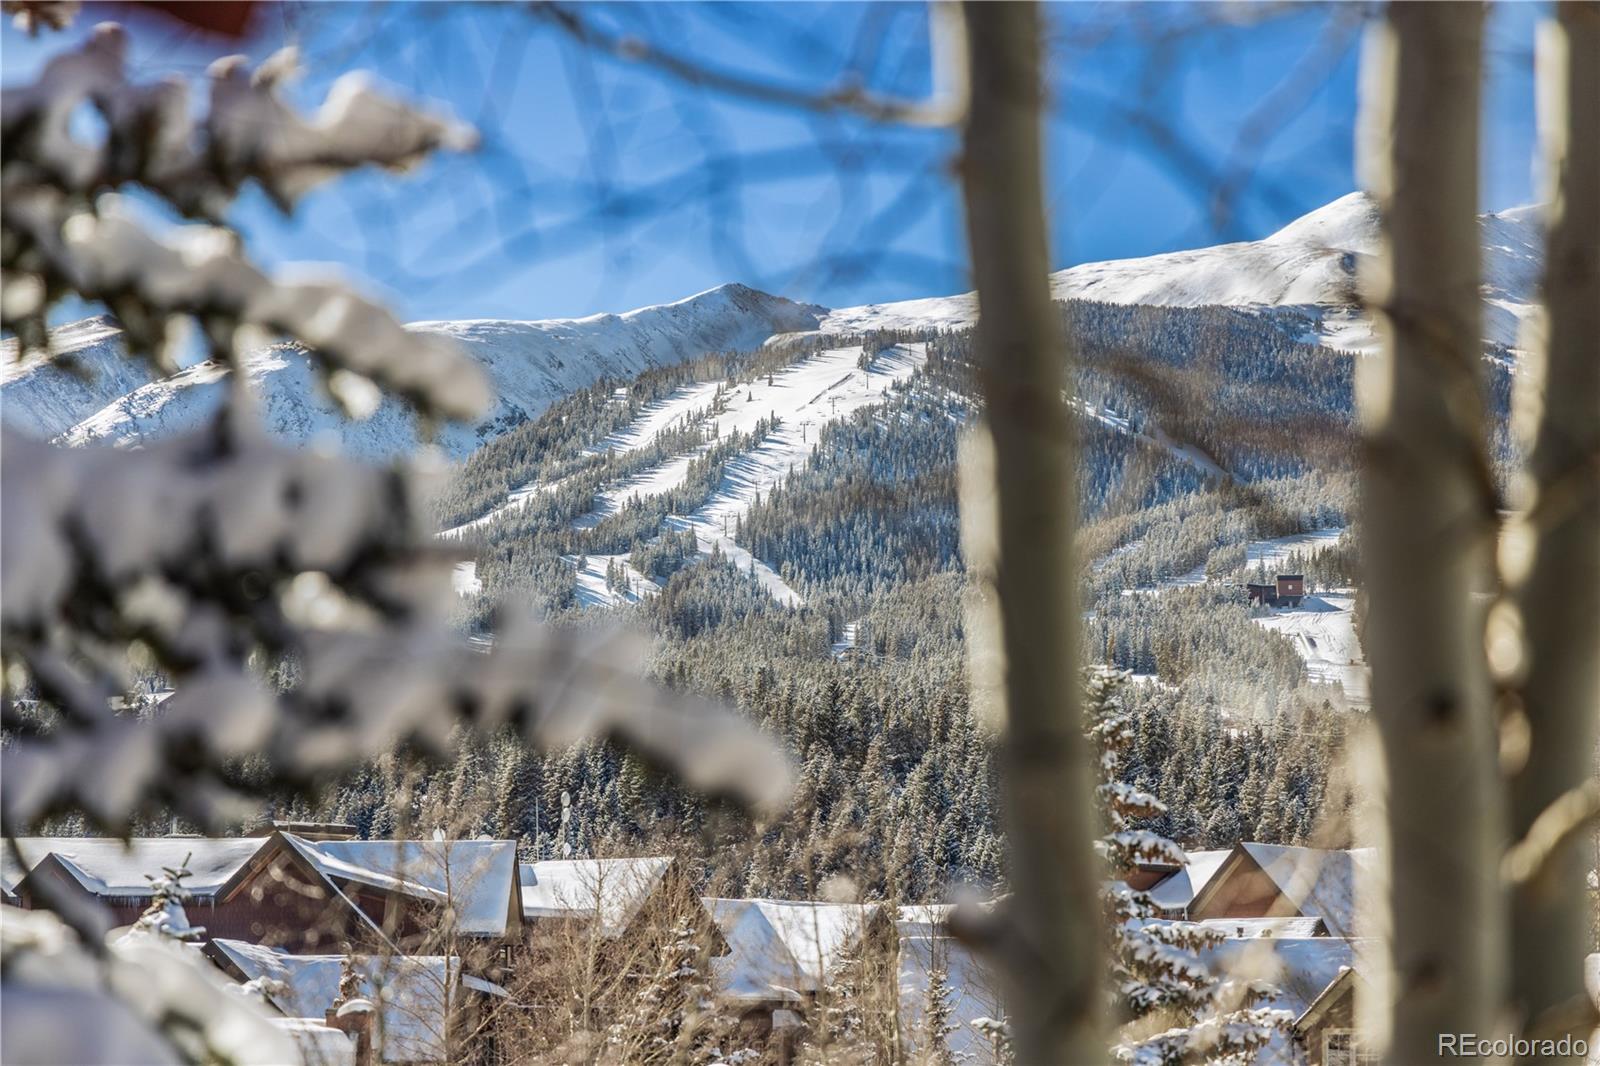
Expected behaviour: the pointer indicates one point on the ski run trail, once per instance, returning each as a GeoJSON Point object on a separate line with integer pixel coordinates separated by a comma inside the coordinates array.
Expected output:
{"type": "Point", "coordinates": [804, 397]}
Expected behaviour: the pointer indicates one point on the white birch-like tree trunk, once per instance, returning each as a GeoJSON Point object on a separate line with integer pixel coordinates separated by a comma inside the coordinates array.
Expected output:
{"type": "Point", "coordinates": [1051, 952]}
{"type": "Point", "coordinates": [1547, 631]}
{"type": "Point", "coordinates": [1428, 519]}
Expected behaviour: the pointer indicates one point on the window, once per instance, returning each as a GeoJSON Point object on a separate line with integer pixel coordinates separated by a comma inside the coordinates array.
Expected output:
{"type": "Point", "coordinates": [1339, 1048]}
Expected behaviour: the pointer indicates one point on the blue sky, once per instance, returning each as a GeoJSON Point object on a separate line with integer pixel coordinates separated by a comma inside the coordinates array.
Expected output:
{"type": "Point", "coordinates": [604, 186]}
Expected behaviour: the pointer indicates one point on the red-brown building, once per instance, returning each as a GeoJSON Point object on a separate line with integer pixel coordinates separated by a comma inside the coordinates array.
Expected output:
{"type": "Point", "coordinates": [1287, 591]}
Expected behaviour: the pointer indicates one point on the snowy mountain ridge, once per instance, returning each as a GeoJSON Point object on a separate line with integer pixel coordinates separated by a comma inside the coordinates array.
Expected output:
{"type": "Point", "coordinates": [1304, 273]}
{"type": "Point", "coordinates": [1300, 279]}
{"type": "Point", "coordinates": [44, 398]}
{"type": "Point", "coordinates": [530, 364]}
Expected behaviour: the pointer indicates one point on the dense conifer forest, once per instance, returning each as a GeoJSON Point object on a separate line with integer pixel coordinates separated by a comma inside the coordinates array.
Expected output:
{"type": "Point", "coordinates": [865, 683]}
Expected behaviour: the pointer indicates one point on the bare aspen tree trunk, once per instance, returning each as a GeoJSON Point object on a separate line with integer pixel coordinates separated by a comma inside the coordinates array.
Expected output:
{"type": "Point", "coordinates": [1052, 955]}
{"type": "Point", "coordinates": [1550, 628]}
{"type": "Point", "coordinates": [1428, 521]}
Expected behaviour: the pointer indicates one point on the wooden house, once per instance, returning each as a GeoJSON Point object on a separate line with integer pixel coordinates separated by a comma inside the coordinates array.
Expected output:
{"type": "Point", "coordinates": [783, 953]}
{"type": "Point", "coordinates": [1173, 893]}
{"type": "Point", "coordinates": [1325, 1031]}
{"type": "Point", "coordinates": [431, 1007]}
{"type": "Point", "coordinates": [1278, 881]}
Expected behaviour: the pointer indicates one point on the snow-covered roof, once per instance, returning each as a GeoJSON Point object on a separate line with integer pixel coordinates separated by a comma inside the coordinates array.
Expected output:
{"type": "Point", "coordinates": [109, 867]}
{"type": "Point", "coordinates": [1178, 889]}
{"type": "Point", "coordinates": [1319, 883]}
{"type": "Point", "coordinates": [1294, 927]}
{"type": "Point", "coordinates": [615, 889]}
{"type": "Point", "coordinates": [413, 992]}
{"type": "Point", "coordinates": [477, 877]}
{"type": "Point", "coordinates": [780, 949]}
{"type": "Point", "coordinates": [1322, 1000]}
{"type": "Point", "coordinates": [1298, 967]}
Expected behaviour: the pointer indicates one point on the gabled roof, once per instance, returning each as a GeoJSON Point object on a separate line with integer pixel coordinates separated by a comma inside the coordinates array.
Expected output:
{"type": "Point", "coordinates": [478, 877]}
{"type": "Point", "coordinates": [414, 992]}
{"type": "Point", "coordinates": [108, 867]}
{"type": "Point", "coordinates": [782, 949]}
{"type": "Point", "coordinates": [1343, 980]}
{"type": "Point", "coordinates": [1319, 883]}
{"type": "Point", "coordinates": [614, 890]}
{"type": "Point", "coordinates": [1178, 889]}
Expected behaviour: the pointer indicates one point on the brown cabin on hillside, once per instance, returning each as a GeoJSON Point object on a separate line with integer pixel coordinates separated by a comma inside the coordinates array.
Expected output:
{"type": "Point", "coordinates": [1287, 591]}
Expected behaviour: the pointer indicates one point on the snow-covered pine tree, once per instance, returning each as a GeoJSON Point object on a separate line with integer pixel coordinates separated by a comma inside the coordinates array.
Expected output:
{"type": "Point", "coordinates": [1157, 968]}
{"type": "Point", "coordinates": [839, 1026]}
{"type": "Point", "coordinates": [935, 1026]}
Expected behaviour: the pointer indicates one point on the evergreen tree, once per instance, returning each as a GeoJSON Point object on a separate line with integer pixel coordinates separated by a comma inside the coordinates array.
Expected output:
{"type": "Point", "coordinates": [1157, 966]}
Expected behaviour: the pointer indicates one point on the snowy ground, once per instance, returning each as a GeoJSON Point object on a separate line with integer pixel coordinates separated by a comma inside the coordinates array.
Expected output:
{"type": "Point", "coordinates": [464, 579]}
{"type": "Point", "coordinates": [1275, 552]}
{"type": "Point", "coordinates": [592, 590]}
{"type": "Point", "coordinates": [1324, 634]}
{"type": "Point", "coordinates": [847, 639]}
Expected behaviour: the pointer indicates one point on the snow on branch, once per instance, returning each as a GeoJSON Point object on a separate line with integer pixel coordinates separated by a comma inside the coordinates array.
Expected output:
{"type": "Point", "coordinates": [67, 232]}
{"type": "Point", "coordinates": [150, 998]}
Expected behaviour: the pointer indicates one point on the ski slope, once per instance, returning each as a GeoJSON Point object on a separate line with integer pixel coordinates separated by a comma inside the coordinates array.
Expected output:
{"type": "Point", "coordinates": [591, 578]}
{"type": "Point", "coordinates": [1323, 631]}
{"type": "Point", "coordinates": [804, 397]}
{"type": "Point", "coordinates": [464, 579]}
{"type": "Point", "coordinates": [1275, 551]}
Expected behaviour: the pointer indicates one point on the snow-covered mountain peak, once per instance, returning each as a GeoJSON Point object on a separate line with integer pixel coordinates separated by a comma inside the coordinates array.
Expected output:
{"type": "Point", "coordinates": [1304, 273]}
{"type": "Point", "coordinates": [1348, 223]}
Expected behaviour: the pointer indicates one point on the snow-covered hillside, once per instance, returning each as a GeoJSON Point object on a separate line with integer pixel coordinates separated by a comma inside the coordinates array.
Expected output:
{"type": "Point", "coordinates": [531, 364]}
{"type": "Point", "coordinates": [45, 398]}
{"type": "Point", "coordinates": [1307, 269]}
